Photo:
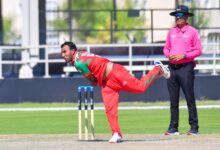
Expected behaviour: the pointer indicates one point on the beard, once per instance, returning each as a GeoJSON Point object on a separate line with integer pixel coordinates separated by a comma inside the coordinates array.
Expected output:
{"type": "Point", "coordinates": [67, 59]}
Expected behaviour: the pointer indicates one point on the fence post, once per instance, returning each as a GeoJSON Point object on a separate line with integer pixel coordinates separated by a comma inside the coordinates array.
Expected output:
{"type": "Point", "coordinates": [130, 58]}
{"type": "Point", "coordinates": [88, 49]}
{"type": "Point", "coordinates": [46, 61]}
{"type": "Point", "coordinates": [214, 59]}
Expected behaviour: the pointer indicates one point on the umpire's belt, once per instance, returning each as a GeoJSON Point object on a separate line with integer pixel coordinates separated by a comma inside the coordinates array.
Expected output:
{"type": "Point", "coordinates": [178, 66]}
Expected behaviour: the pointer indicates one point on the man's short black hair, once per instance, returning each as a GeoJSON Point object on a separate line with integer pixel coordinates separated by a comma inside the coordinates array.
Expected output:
{"type": "Point", "coordinates": [70, 44]}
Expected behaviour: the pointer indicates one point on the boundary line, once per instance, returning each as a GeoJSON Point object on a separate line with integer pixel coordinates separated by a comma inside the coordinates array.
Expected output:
{"type": "Point", "coordinates": [102, 108]}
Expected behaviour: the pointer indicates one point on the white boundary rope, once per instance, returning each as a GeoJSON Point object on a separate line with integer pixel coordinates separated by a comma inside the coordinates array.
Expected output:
{"type": "Point", "coordinates": [102, 108]}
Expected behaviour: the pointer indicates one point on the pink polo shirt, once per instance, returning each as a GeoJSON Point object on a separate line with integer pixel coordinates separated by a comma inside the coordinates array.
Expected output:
{"type": "Point", "coordinates": [183, 41]}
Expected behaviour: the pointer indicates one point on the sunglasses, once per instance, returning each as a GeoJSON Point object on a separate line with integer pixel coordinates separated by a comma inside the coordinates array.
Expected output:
{"type": "Point", "coordinates": [179, 15]}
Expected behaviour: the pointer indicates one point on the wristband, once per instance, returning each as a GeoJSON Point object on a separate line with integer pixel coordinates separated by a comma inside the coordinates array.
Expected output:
{"type": "Point", "coordinates": [184, 56]}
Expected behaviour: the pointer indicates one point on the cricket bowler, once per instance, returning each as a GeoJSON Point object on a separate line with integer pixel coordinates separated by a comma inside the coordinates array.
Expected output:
{"type": "Point", "coordinates": [112, 78]}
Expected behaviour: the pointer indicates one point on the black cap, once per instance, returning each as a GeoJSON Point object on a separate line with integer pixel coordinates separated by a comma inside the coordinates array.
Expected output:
{"type": "Point", "coordinates": [181, 9]}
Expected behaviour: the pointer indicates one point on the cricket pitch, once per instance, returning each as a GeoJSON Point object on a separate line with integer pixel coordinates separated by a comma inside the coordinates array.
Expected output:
{"type": "Point", "coordinates": [130, 142]}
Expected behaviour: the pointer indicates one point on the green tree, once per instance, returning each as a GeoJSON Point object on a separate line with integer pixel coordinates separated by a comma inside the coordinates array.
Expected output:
{"type": "Point", "coordinates": [100, 21]}
{"type": "Point", "coordinates": [200, 18]}
{"type": "Point", "coordinates": [9, 36]}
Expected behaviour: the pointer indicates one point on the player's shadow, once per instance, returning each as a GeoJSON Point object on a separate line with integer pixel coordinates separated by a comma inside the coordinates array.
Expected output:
{"type": "Point", "coordinates": [130, 140]}
{"type": "Point", "coordinates": [147, 140]}
{"type": "Point", "coordinates": [96, 140]}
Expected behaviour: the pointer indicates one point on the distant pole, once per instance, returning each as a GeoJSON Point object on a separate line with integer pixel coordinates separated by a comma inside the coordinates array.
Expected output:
{"type": "Point", "coordinates": [111, 27]}
{"type": "Point", "coordinates": [152, 25]}
{"type": "Point", "coordinates": [1, 24]}
{"type": "Point", "coordinates": [70, 19]}
{"type": "Point", "coordinates": [176, 3]}
{"type": "Point", "coordinates": [42, 27]}
{"type": "Point", "coordinates": [114, 23]}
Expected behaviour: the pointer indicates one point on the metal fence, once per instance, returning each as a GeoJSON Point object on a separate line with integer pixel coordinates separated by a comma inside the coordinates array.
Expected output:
{"type": "Point", "coordinates": [135, 57]}
{"type": "Point", "coordinates": [150, 23]}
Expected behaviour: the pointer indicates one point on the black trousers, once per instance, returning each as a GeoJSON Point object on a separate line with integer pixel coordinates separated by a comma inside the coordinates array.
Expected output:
{"type": "Point", "coordinates": [182, 76]}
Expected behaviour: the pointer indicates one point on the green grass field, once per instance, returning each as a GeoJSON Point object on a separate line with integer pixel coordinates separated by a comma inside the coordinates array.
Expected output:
{"type": "Point", "coordinates": [131, 121]}
{"type": "Point", "coordinates": [65, 104]}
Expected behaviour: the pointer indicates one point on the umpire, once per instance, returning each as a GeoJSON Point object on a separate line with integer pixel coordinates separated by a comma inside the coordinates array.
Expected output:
{"type": "Point", "coordinates": [182, 46]}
